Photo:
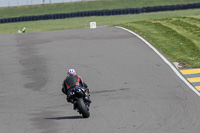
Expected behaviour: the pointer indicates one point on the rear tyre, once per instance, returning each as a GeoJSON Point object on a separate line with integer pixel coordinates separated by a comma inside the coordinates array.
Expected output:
{"type": "Point", "coordinates": [82, 108]}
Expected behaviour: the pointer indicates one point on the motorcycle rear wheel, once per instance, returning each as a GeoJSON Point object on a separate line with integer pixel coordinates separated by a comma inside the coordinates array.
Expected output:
{"type": "Point", "coordinates": [82, 108]}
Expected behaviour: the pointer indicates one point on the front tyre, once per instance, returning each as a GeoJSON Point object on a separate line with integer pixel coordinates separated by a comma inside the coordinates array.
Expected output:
{"type": "Point", "coordinates": [82, 108]}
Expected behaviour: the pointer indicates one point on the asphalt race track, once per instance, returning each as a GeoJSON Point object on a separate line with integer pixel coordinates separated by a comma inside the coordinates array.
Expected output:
{"type": "Point", "coordinates": [132, 89]}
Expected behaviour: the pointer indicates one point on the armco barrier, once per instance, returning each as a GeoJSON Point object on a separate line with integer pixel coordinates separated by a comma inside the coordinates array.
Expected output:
{"type": "Point", "coordinates": [102, 13]}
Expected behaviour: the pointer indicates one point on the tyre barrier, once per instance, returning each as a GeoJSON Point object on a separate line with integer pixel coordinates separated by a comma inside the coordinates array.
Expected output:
{"type": "Point", "coordinates": [102, 13]}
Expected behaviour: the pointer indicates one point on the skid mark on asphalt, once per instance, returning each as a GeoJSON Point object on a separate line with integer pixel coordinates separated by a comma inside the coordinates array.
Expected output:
{"type": "Point", "coordinates": [193, 76]}
{"type": "Point", "coordinates": [107, 91]}
{"type": "Point", "coordinates": [35, 68]}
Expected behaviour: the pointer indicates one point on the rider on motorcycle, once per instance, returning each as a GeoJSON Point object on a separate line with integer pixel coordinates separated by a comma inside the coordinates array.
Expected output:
{"type": "Point", "coordinates": [71, 81]}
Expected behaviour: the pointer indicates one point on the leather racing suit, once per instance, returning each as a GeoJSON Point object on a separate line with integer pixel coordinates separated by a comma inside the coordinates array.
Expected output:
{"type": "Point", "coordinates": [70, 82]}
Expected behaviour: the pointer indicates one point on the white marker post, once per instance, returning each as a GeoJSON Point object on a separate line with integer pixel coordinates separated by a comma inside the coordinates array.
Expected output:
{"type": "Point", "coordinates": [93, 25]}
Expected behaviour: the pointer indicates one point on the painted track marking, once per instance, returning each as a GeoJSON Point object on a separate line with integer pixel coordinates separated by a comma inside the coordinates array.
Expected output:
{"type": "Point", "coordinates": [193, 76]}
{"type": "Point", "coordinates": [165, 60]}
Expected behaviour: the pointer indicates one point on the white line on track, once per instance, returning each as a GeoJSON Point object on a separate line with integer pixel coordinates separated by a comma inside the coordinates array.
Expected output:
{"type": "Point", "coordinates": [166, 61]}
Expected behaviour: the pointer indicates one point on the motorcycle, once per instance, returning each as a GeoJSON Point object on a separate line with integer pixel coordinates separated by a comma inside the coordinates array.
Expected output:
{"type": "Point", "coordinates": [81, 100]}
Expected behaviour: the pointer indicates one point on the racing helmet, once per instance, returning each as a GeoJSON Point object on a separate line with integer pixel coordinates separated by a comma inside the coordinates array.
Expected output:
{"type": "Point", "coordinates": [71, 71]}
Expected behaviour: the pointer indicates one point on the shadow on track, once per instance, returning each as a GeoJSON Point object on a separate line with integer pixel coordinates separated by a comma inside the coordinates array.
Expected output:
{"type": "Point", "coordinates": [65, 117]}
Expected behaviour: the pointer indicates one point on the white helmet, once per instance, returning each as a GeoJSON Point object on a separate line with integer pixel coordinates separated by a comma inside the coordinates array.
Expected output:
{"type": "Point", "coordinates": [24, 28]}
{"type": "Point", "coordinates": [72, 71]}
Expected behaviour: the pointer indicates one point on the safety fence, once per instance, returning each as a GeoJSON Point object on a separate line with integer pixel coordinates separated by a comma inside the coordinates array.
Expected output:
{"type": "Point", "coordinates": [102, 13]}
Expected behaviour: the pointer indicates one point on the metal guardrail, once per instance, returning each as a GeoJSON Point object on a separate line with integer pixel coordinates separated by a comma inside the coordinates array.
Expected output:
{"type": "Point", "coordinates": [102, 13]}
{"type": "Point", "coordinates": [18, 3]}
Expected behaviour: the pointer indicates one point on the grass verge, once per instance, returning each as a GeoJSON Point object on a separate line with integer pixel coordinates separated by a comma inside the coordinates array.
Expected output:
{"type": "Point", "coordinates": [176, 34]}
{"type": "Point", "coordinates": [85, 6]}
{"type": "Point", "coordinates": [77, 23]}
{"type": "Point", "coordinates": [177, 38]}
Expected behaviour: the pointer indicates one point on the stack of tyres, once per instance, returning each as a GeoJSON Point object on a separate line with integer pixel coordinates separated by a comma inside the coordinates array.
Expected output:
{"type": "Point", "coordinates": [102, 13]}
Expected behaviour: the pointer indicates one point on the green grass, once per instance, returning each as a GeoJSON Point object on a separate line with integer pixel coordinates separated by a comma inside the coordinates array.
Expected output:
{"type": "Point", "coordinates": [85, 6]}
{"type": "Point", "coordinates": [176, 34]}
{"type": "Point", "coordinates": [77, 23]}
{"type": "Point", "coordinates": [177, 38]}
